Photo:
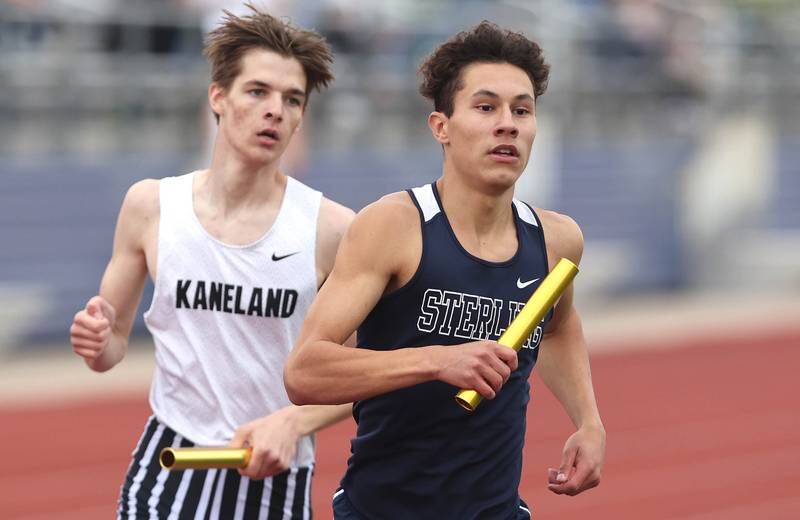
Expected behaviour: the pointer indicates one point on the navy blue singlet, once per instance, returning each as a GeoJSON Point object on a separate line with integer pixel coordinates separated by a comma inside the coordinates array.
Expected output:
{"type": "Point", "coordinates": [417, 454]}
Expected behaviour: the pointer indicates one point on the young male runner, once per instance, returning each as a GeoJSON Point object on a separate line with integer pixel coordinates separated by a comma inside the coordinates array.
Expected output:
{"type": "Point", "coordinates": [236, 253]}
{"type": "Point", "coordinates": [431, 277]}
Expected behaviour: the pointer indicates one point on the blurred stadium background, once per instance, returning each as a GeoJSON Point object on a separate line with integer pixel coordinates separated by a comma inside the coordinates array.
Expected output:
{"type": "Point", "coordinates": [670, 132]}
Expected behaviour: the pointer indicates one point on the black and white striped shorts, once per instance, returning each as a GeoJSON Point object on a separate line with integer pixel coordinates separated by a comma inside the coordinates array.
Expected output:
{"type": "Point", "coordinates": [151, 492]}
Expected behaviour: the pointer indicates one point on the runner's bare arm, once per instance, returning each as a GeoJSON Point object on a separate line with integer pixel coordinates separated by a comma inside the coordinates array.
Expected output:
{"type": "Point", "coordinates": [563, 365]}
{"type": "Point", "coordinates": [100, 331]}
{"type": "Point", "coordinates": [334, 219]}
{"type": "Point", "coordinates": [373, 252]}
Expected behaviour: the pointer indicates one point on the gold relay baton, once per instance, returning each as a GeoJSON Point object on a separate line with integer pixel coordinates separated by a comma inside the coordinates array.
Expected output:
{"type": "Point", "coordinates": [529, 317]}
{"type": "Point", "coordinates": [204, 458]}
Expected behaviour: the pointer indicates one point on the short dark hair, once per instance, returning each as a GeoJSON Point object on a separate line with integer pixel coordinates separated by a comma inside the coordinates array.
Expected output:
{"type": "Point", "coordinates": [485, 43]}
{"type": "Point", "coordinates": [225, 45]}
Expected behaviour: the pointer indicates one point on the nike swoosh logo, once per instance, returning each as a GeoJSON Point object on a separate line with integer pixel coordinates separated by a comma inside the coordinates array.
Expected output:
{"type": "Point", "coordinates": [275, 257]}
{"type": "Point", "coordinates": [523, 285]}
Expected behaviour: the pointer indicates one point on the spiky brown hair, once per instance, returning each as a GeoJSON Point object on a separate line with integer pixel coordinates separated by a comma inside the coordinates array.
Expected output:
{"type": "Point", "coordinates": [235, 35]}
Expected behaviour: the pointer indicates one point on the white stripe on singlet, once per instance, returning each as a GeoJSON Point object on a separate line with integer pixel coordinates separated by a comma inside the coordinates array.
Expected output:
{"type": "Point", "coordinates": [526, 214]}
{"type": "Point", "coordinates": [147, 456]}
{"type": "Point", "coordinates": [427, 201]}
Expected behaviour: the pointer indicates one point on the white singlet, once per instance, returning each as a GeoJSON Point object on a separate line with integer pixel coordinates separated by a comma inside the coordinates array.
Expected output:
{"type": "Point", "coordinates": [224, 317]}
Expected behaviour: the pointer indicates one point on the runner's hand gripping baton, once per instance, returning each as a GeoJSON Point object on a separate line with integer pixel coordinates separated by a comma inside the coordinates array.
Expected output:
{"type": "Point", "coordinates": [529, 317]}
{"type": "Point", "coordinates": [204, 458]}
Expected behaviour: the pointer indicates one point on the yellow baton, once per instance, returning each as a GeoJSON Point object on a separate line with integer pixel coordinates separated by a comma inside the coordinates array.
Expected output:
{"type": "Point", "coordinates": [204, 458]}
{"type": "Point", "coordinates": [545, 296]}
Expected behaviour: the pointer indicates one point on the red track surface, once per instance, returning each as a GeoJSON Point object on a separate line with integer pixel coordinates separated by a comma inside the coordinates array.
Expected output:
{"type": "Point", "coordinates": [709, 432]}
